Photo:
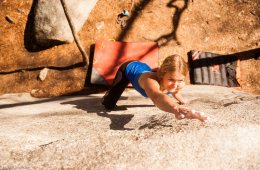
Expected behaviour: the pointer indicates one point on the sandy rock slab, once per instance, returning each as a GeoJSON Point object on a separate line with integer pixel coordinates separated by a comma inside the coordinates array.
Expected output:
{"type": "Point", "coordinates": [75, 132]}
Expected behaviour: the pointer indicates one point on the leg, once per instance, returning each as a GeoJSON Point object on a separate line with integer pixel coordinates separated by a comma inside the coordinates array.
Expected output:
{"type": "Point", "coordinates": [119, 84]}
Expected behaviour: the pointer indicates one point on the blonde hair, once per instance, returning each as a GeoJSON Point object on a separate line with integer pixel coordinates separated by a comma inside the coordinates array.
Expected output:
{"type": "Point", "coordinates": [173, 63]}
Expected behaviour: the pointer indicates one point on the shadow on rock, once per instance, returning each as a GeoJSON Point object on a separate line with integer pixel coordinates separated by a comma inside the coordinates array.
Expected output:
{"type": "Point", "coordinates": [93, 105]}
{"type": "Point", "coordinates": [155, 121]}
{"type": "Point", "coordinates": [118, 121]}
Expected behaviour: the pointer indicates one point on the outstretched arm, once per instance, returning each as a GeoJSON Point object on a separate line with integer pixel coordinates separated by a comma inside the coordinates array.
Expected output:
{"type": "Point", "coordinates": [165, 103]}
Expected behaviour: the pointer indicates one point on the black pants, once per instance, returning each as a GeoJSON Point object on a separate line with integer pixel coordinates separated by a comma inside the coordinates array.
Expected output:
{"type": "Point", "coordinates": [119, 84]}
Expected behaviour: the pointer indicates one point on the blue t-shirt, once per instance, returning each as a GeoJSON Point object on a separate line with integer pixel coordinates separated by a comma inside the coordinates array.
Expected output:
{"type": "Point", "coordinates": [133, 71]}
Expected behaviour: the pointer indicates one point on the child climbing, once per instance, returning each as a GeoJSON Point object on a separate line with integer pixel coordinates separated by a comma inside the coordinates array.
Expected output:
{"type": "Point", "coordinates": [155, 85]}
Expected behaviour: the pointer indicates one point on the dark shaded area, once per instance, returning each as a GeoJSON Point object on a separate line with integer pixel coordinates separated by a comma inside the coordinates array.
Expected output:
{"type": "Point", "coordinates": [93, 105]}
{"type": "Point", "coordinates": [30, 42]}
{"type": "Point", "coordinates": [118, 121]}
{"type": "Point", "coordinates": [157, 122]}
{"type": "Point", "coordinates": [90, 66]}
{"type": "Point", "coordinates": [9, 19]}
{"type": "Point", "coordinates": [90, 105]}
{"type": "Point", "coordinates": [4, 106]}
{"type": "Point", "coordinates": [91, 88]}
{"type": "Point", "coordinates": [175, 23]}
{"type": "Point", "coordinates": [134, 14]}
{"type": "Point", "coordinates": [152, 125]}
{"type": "Point", "coordinates": [175, 20]}
{"type": "Point", "coordinates": [221, 59]}
{"type": "Point", "coordinates": [50, 67]}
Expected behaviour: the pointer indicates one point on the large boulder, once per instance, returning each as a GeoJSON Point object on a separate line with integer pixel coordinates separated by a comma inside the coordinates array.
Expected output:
{"type": "Point", "coordinates": [51, 24]}
{"type": "Point", "coordinates": [76, 132]}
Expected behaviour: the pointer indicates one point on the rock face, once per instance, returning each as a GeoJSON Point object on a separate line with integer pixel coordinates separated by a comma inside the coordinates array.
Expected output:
{"type": "Point", "coordinates": [51, 25]}
{"type": "Point", "coordinates": [76, 132]}
{"type": "Point", "coordinates": [236, 30]}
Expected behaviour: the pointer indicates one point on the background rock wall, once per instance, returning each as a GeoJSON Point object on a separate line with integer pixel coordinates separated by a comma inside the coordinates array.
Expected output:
{"type": "Point", "coordinates": [220, 26]}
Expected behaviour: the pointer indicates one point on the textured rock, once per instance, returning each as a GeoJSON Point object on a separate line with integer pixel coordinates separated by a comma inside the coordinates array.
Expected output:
{"type": "Point", "coordinates": [51, 25]}
{"type": "Point", "coordinates": [76, 132]}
